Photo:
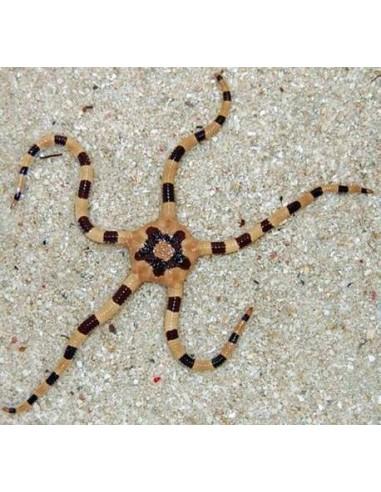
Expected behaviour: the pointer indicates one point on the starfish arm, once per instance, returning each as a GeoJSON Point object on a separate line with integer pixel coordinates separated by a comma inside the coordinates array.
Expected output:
{"type": "Point", "coordinates": [171, 325]}
{"type": "Point", "coordinates": [107, 311]}
{"type": "Point", "coordinates": [168, 208]}
{"type": "Point", "coordinates": [86, 173]}
{"type": "Point", "coordinates": [232, 245]}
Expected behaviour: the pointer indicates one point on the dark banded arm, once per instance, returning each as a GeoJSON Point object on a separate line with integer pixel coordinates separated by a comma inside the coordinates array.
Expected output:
{"type": "Point", "coordinates": [171, 325]}
{"type": "Point", "coordinates": [109, 309]}
{"type": "Point", "coordinates": [233, 245]}
{"type": "Point", "coordinates": [86, 173]}
{"type": "Point", "coordinates": [187, 143]}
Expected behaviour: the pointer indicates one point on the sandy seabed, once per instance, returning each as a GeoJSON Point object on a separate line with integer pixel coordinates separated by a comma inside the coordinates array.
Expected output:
{"type": "Point", "coordinates": [311, 353]}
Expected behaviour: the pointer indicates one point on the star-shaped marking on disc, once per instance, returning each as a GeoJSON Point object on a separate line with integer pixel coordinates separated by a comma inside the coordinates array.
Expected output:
{"type": "Point", "coordinates": [163, 251]}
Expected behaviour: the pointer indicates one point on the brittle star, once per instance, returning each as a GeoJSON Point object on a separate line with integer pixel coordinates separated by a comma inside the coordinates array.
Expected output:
{"type": "Point", "coordinates": [163, 251]}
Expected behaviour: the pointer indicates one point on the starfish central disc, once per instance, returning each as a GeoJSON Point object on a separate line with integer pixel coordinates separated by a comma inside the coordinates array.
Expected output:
{"type": "Point", "coordinates": [162, 251]}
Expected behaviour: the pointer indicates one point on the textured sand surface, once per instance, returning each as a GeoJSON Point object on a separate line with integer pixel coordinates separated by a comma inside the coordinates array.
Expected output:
{"type": "Point", "coordinates": [311, 353]}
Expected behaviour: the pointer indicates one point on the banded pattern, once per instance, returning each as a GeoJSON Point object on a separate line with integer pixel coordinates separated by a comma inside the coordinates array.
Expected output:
{"type": "Point", "coordinates": [171, 325]}
{"type": "Point", "coordinates": [86, 174]}
{"type": "Point", "coordinates": [233, 245]}
{"type": "Point", "coordinates": [168, 208]}
{"type": "Point", "coordinates": [163, 251]}
{"type": "Point", "coordinates": [109, 309]}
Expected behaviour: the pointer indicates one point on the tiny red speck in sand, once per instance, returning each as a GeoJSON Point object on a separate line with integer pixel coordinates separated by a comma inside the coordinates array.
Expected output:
{"type": "Point", "coordinates": [156, 379]}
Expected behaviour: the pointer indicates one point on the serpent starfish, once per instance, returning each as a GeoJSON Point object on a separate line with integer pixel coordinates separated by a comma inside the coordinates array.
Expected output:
{"type": "Point", "coordinates": [163, 251]}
